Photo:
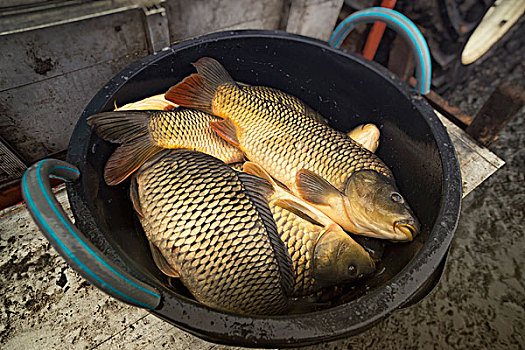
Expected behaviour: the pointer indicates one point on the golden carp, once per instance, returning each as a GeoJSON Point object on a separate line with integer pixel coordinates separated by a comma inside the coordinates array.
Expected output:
{"type": "Point", "coordinates": [145, 133]}
{"type": "Point", "coordinates": [322, 253]}
{"type": "Point", "coordinates": [211, 226]}
{"type": "Point", "coordinates": [323, 166]}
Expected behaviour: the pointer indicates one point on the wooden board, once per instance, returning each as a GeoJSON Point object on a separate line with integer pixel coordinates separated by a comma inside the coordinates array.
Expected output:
{"type": "Point", "coordinates": [476, 162]}
{"type": "Point", "coordinates": [48, 76]}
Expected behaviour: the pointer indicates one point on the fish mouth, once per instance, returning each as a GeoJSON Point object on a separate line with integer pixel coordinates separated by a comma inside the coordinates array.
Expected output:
{"type": "Point", "coordinates": [406, 228]}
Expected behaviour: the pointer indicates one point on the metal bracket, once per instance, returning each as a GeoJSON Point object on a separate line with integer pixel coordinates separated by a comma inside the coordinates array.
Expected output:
{"type": "Point", "coordinates": [157, 29]}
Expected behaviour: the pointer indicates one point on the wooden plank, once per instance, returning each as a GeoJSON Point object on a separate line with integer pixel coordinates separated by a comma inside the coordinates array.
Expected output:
{"type": "Point", "coordinates": [157, 27]}
{"type": "Point", "coordinates": [400, 60]}
{"type": "Point", "coordinates": [476, 162]}
{"type": "Point", "coordinates": [453, 113]}
{"type": "Point", "coordinates": [501, 107]}
{"type": "Point", "coordinates": [39, 118]}
{"type": "Point", "coordinates": [41, 55]}
{"type": "Point", "coordinates": [12, 166]}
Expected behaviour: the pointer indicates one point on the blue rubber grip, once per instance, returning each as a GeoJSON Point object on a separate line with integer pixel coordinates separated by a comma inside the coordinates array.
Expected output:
{"type": "Point", "coordinates": [403, 26]}
{"type": "Point", "coordinates": [83, 256]}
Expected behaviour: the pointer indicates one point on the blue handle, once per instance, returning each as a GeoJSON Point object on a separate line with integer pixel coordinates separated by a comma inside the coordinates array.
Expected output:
{"type": "Point", "coordinates": [83, 256]}
{"type": "Point", "coordinates": [403, 26]}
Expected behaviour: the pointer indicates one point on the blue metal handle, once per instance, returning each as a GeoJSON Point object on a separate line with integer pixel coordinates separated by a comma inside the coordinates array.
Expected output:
{"type": "Point", "coordinates": [83, 256]}
{"type": "Point", "coordinates": [403, 26]}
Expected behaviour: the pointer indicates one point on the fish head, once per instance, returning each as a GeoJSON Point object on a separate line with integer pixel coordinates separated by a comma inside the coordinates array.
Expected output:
{"type": "Point", "coordinates": [377, 209]}
{"type": "Point", "coordinates": [338, 258]}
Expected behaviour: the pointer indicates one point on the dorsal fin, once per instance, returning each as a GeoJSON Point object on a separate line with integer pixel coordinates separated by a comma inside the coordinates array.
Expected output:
{"type": "Point", "coordinates": [198, 90]}
{"type": "Point", "coordinates": [287, 200]}
{"type": "Point", "coordinates": [259, 191]}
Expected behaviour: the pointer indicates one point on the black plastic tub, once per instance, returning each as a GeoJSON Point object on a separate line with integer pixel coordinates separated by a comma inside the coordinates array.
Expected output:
{"type": "Point", "coordinates": [345, 89]}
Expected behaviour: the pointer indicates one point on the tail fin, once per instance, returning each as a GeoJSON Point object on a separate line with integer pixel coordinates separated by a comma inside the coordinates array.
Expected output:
{"type": "Point", "coordinates": [127, 158]}
{"type": "Point", "coordinates": [197, 90]}
{"type": "Point", "coordinates": [131, 129]}
{"type": "Point", "coordinates": [120, 127]}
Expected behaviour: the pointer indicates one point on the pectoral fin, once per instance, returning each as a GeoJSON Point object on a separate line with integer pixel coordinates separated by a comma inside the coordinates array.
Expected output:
{"type": "Point", "coordinates": [257, 170]}
{"type": "Point", "coordinates": [286, 200]}
{"type": "Point", "coordinates": [296, 207]}
{"type": "Point", "coordinates": [162, 263]}
{"type": "Point", "coordinates": [134, 196]}
{"type": "Point", "coordinates": [315, 189]}
{"type": "Point", "coordinates": [226, 129]}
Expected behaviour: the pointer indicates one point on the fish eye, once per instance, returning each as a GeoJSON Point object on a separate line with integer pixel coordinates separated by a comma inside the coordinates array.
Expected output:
{"type": "Point", "coordinates": [396, 197]}
{"type": "Point", "coordinates": [352, 270]}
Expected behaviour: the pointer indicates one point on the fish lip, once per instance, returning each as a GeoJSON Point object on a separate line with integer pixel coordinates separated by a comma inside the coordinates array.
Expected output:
{"type": "Point", "coordinates": [406, 227]}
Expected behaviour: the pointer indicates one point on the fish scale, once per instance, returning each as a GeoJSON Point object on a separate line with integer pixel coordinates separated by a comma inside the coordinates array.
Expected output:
{"type": "Point", "coordinates": [263, 128]}
{"type": "Point", "coordinates": [298, 235]}
{"type": "Point", "coordinates": [219, 264]}
{"type": "Point", "coordinates": [274, 95]}
{"type": "Point", "coordinates": [192, 128]}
